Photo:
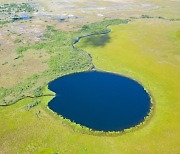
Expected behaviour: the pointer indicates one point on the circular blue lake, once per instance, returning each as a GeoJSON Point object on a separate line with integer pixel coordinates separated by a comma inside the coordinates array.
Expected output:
{"type": "Point", "coordinates": [100, 101]}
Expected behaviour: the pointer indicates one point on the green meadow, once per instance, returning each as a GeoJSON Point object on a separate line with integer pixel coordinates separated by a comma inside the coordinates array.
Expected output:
{"type": "Point", "coordinates": [146, 50]}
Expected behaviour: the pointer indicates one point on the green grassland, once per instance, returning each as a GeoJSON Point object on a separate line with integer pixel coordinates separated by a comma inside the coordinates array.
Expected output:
{"type": "Point", "coordinates": [146, 50]}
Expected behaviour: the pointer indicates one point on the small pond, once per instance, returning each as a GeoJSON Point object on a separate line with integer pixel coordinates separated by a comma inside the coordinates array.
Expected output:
{"type": "Point", "coordinates": [100, 101]}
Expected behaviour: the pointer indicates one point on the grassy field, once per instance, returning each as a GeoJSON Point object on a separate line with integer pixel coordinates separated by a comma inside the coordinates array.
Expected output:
{"type": "Point", "coordinates": [144, 50]}
{"type": "Point", "coordinates": [36, 51]}
{"type": "Point", "coordinates": [148, 51]}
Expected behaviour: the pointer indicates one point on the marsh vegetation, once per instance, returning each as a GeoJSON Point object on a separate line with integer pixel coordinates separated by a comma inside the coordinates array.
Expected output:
{"type": "Point", "coordinates": [10, 12]}
{"type": "Point", "coordinates": [65, 59]}
{"type": "Point", "coordinates": [145, 47]}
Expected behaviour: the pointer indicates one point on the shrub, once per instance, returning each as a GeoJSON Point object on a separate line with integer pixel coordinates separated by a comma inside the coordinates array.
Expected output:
{"type": "Point", "coordinates": [33, 104]}
{"type": "Point", "coordinates": [17, 41]}
{"type": "Point", "coordinates": [22, 49]}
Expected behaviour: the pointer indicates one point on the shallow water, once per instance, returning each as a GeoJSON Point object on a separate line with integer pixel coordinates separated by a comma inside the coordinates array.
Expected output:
{"type": "Point", "coordinates": [100, 101]}
{"type": "Point", "coordinates": [22, 17]}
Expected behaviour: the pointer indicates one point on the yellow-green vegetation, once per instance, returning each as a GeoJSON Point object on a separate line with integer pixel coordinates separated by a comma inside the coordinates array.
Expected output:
{"type": "Point", "coordinates": [145, 50]}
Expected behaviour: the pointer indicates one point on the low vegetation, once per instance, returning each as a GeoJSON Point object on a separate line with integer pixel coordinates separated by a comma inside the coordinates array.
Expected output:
{"type": "Point", "coordinates": [16, 8]}
{"type": "Point", "coordinates": [11, 11]}
{"type": "Point", "coordinates": [144, 16]}
{"type": "Point", "coordinates": [17, 41]}
{"type": "Point", "coordinates": [33, 104]}
{"type": "Point", "coordinates": [152, 60]}
{"type": "Point", "coordinates": [146, 49]}
{"type": "Point", "coordinates": [65, 59]}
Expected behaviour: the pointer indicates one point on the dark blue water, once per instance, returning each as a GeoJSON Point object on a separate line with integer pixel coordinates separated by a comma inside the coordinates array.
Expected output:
{"type": "Point", "coordinates": [100, 101]}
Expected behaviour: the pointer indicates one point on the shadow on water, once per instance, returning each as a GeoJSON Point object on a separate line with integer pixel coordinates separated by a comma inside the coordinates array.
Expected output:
{"type": "Point", "coordinates": [98, 41]}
